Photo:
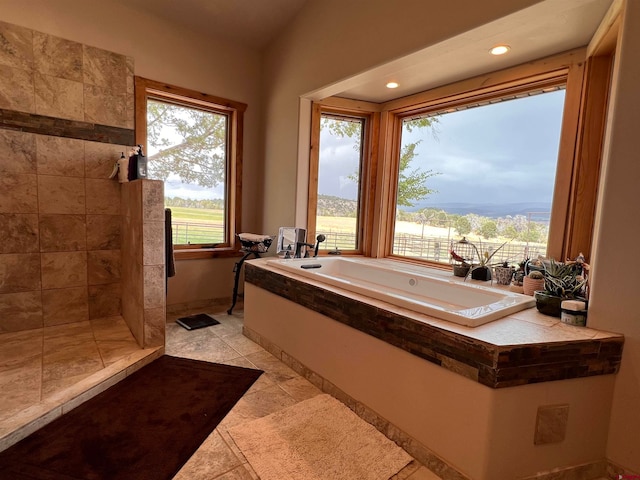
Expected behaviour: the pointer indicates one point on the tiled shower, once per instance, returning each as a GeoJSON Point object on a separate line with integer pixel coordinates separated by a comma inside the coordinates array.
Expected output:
{"type": "Point", "coordinates": [66, 114]}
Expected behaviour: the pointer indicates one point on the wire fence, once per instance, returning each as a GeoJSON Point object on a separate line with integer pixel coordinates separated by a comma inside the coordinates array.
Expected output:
{"type": "Point", "coordinates": [436, 248]}
{"type": "Point", "coordinates": [185, 233]}
{"type": "Point", "coordinates": [407, 245]}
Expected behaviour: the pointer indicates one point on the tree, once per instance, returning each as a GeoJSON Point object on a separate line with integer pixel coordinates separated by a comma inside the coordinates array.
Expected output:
{"type": "Point", "coordinates": [463, 226]}
{"type": "Point", "coordinates": [411, 183]}
{"type": "Point", "coordinates": [488, 229]}
{"type": "Point", "coordinates": [191, 144]}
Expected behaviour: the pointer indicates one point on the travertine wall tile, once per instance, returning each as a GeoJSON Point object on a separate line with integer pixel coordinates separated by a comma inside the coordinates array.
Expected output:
{"type": "Point", "coordinates": [551, 424]}
{"type": "Point", "coordinates": [16, 46]}
{"type": "Point", "coordinates": [20, 311]}
{"type": "Point", "coordinates": [18, 233]}
{"type": "Point", "coordinates": [17, 89]}
{"type": "Point", "coordinates": [103, 266]}
{"type": "Point", "coordinates": [153, 243]}
{"type": "Point", "coordinates": [104, 300]}
{"type": "Point", "coordinates": [104, 198]}
{"type": "Point", "coordinates": [105, 69]}
{"type": "Point", "coordinates": [65, 305]}
{"type": "Point", "coordinates": [100, 158]}
{"type": "Point", "coordinates": [64, 269]}
{"type": "Point", "coordinates": [18, 193]}
{"type": "Point", "coordinates": [103, 232]}
{"type": "Point", "coordinates": [104, 108]}
{"type": "Point", "coordinates": [20, 272]}
{"type": "Point", "coordinates": [154, 286]}
{"type": "Point", "coordinates": [57, 57]}
{"type": "Point", "coordinates": [17, 152]}
{"type": "Point", "coordinates": [62, 233]}
{"type": "Point", "coordinates": [61, 194]}
{"type": "Point", "coordinates": [152, 200]}
{"type": "Point", "coordinates": [154, 327]}
{"type": "Point", "coordinates": [57, 97]}
{"type": "Point", "coordinates": [60, 156]}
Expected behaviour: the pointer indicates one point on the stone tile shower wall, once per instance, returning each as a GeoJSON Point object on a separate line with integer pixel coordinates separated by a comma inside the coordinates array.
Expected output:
{"type": "Point", "coordinates": [66, 113]}
{"type": "Point", "coordinates": [143, 258]}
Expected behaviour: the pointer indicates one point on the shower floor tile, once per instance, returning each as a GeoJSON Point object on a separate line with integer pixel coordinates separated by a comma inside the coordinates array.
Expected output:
{"type": "Point", "coordinates": [44, 371]}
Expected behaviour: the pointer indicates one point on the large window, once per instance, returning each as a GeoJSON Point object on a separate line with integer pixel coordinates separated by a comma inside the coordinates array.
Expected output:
{"type": "Point", "coordinates": [484, 171]}
{"type": "Point", "coordinates": [193, 144]}
{"type": "Point", "coordinates": [508, 157]}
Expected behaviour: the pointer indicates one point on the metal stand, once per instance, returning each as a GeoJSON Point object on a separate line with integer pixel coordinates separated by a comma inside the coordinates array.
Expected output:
{"type": "Point", "coordinates": [236, 268]}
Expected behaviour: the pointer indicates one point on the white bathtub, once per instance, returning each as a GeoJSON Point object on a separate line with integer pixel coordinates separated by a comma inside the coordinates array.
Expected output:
{"type": "Point", "coordinates": [423, 290]}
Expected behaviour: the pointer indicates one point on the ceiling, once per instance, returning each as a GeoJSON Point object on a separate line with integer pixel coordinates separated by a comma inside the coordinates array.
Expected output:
{"type": "Point", "coordinates": [252, 23]}
{"type": "Point", "coordinates": [546, 28]}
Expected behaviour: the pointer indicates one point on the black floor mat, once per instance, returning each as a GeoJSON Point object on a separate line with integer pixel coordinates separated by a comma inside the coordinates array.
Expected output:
{"type": "Point", "coordinates": [199, 320]}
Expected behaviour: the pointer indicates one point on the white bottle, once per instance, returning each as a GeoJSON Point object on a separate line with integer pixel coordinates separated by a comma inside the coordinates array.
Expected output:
{"type": "Point", "coordinates": [123, 169]}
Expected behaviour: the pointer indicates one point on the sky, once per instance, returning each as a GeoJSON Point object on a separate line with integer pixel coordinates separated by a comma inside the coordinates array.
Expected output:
{"type": "Point", "coordinates": [500, 153]}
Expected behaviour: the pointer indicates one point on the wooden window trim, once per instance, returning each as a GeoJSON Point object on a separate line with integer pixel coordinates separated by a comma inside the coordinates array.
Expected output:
{"type": "Point", "coordinates": [144, 89]}
{"type": "Point", "coordinates": [368, 172]}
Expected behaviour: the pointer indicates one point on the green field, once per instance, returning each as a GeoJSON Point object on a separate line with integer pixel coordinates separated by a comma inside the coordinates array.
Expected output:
{"type": "Point", "coordinates": [197, 225]}
{"type": "Point", "coordinates": [200, 215]}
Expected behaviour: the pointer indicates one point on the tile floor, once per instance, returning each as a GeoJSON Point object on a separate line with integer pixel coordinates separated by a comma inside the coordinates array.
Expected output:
{"type": "Point", "coordinates": [279, 387]}
{"type": "Point", "coordinates": [41, 369]}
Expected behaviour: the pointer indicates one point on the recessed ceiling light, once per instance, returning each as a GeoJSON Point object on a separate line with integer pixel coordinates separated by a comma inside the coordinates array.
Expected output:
{"type": "Point", "coordinates": [500, 49]}
{"type": "Point", "coordinates": [392, 85]}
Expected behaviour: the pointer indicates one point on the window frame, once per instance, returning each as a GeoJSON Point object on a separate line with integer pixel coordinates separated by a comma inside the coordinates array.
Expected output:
{"type": "Point", "coordinates": [145, 90]}
{"type": "Point", "coordinates": [368, 165]}
{"type": "Point", "coordinates": [486, 96]}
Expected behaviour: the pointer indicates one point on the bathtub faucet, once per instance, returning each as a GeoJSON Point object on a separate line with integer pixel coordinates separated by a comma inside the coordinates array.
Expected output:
{"type": "Point", "coordinates": [299, 246]}
{"type": "Point", "coordinates": [319, 239]}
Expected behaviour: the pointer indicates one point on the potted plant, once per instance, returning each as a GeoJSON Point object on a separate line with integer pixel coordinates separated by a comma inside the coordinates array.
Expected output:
{"type": "Point", "coordinates": [482, 270]}
{"type": "Point", "coordinates": [562, 281]}
{"type": "Point", "coordinates": [532, 282]}
{"type": "Point", "coordinates": [504, 272]}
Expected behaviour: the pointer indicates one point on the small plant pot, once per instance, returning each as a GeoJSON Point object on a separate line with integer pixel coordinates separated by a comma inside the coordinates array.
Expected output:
{"type": "Point", "coordinates": [548, 304]}
{"type": "Point", "coordinates": [461, 270]}
{"type": "Point", "coordinates": [530, 285]}
{"type": "Point", "coordinates": [503, 275]}
{"type": "Point", "coordinates": [481, 273]}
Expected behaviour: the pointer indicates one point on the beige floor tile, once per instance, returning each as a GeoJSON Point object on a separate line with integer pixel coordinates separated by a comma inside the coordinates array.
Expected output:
{"type": "Point", "coordinates": [273, 368]}
{"type": "Point", "coordinates": [213, 459]}
{"type": "Point", "coordinates": [300, 388]}
{"type": "Point", "coordinates": [257, 405]}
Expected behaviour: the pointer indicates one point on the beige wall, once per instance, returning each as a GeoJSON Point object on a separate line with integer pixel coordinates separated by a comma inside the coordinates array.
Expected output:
{"type": "Point", "coordinates": [169, 53]}
{"type": "Point", "coordinates": [613, 299]}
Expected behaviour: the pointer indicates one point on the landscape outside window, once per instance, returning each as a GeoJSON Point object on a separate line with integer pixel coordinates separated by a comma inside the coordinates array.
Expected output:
{"type": "Point", "coordinates": [339, 181]}
{"type": "Point", "coordinates": [187, 149]}
{"type": "Point", "coordinates": [486, 172]}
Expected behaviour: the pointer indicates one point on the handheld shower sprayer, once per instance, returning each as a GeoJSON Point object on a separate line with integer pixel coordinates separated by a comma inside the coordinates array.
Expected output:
{"type": "Point", "coordinates": [319, 239]}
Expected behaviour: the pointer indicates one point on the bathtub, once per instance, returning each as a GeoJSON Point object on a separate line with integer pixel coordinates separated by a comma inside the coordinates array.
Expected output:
{"type": "Point", "coordinates": [423, 290]}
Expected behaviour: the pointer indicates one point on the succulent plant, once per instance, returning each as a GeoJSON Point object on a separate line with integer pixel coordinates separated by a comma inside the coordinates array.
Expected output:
{"type": "Point", "coordinates": [563, 279]}
{"type": "Point", "coordinates": [536, 275]}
